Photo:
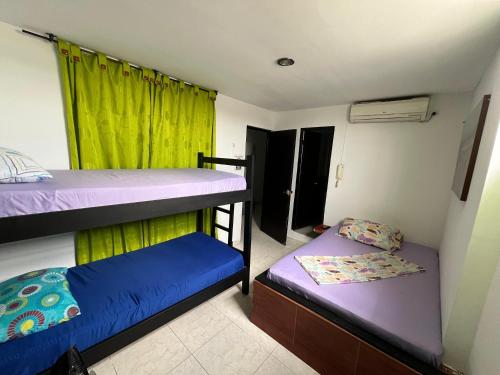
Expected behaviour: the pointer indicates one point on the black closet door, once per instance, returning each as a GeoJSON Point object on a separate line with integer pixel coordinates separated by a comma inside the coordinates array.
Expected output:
{"type": "Point", "coordinates": [277, 184]}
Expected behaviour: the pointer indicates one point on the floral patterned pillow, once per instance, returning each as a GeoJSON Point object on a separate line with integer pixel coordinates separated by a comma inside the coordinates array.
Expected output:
{"type": "Point", "coordinates": [371, 233]}
{"type": "Point", "coordinates": [35, 301]}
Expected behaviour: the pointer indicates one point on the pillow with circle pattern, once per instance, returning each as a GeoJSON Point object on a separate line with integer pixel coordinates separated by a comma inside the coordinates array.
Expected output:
{"type": "Point", "coordinates": [35, 301]}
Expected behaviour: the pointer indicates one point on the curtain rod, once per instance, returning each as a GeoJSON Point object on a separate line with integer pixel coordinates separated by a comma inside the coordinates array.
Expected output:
{"type": "Point", "coordinates": [53, 38]}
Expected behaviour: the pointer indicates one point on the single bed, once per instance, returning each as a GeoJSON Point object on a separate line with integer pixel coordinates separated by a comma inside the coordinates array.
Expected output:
{"type": "Point", "coordinates": [403, 312]}
{"type": "Point", "coordinates": [85, 199]}
{"type": "Point", "coordinates": [119, 292]}
{"type": "Point", "coordinates": [77, 189]}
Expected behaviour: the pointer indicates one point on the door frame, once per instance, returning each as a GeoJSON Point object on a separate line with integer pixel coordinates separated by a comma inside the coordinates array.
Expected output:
{"type": "Point", "coordinates": [299, 164]}
{"type": "Point", "coordinates": [259, 129]}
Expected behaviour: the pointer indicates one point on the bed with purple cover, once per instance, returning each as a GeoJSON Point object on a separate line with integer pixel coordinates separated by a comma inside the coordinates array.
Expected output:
{"type": "Point", "coordinates": [404, 311]}
{"type": "Point", "coordinates": [76, 189]}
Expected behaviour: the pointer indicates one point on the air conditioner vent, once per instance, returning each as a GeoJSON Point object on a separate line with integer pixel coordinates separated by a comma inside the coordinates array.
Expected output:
{"type": "Point", "coordinates": [405, 110]}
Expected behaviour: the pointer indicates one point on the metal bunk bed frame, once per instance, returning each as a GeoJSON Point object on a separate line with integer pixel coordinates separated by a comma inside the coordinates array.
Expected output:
{"type": "Point", "coordinates": [16, 228]}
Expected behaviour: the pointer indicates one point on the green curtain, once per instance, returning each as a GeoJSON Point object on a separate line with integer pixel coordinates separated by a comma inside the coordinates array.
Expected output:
{"type": "Point", "coordinates": [121, 117]}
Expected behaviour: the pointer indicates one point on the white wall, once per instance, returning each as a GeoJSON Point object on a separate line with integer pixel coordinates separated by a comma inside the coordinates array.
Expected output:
{"type": "Point", "coordinates": [397, 173]}
{"type": "Point", "coordinates": [485, 249]}
{"type": "Point", "coordinates": [484, 354]}
{"type": "Point", "coordinates": [469, 250]}
{"type": "Point", "coordinates": [461, 215]}
{"type": "Point", "coordinates": [32, 121]}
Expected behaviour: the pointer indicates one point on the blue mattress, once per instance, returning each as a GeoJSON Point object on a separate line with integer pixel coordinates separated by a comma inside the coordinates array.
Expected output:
{"type": "Point", "coordinates": [118, 292]}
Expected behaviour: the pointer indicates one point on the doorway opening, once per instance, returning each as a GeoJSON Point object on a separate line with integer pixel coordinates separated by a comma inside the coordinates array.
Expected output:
{"type": "Point", "coordinates": [256, 145]}
{"type": "Point", "coordinates": [313, 171]}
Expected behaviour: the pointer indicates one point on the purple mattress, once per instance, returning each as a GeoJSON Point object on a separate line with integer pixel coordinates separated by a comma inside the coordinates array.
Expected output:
{"type": "Point", "coordinates": [74, 189]}
{"type": "Point", "coordinates": [404, 311]}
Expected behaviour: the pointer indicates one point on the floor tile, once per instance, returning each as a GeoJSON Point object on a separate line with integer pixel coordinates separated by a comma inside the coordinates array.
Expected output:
{"type": "Point", "coordinates": [291, 361]}
{"type": "Point", "coordinates": [238, 307]}
{"type": "Point", "coordinates": [272, 366]}
{"type": "Point", "coordinates": [157, 353]}
{"type": "Point", "coordinates": [293, 244]}
{"type": "Point", "coordinates": [104, 367]}
{"type": "Point", "coordinates": [264, 247]}
{"type": "Point", "coordinates": [233, 302]}
{"type": "Point", "coordinates": [263, 339]}
{"type": "Point", "coordinates": [197, 326]}
{"type": "Point", "coordinates": [232, 351]}
{"type": "Point", "coordinates": [260, 266]}
{"type": "Point", "coordinates": [189, 367]}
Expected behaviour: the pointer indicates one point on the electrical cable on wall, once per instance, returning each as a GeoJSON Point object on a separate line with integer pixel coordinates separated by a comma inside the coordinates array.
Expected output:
{"type": "Point", "coordinates": [340, 167]}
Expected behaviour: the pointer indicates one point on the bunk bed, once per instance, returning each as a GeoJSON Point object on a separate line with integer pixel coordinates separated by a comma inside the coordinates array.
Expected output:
{"type": "Point", "coordinates": [161, 283]}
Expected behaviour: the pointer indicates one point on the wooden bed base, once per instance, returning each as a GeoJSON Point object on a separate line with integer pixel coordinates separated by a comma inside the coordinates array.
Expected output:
{"type": "Point", "coordinates": [324, 340]}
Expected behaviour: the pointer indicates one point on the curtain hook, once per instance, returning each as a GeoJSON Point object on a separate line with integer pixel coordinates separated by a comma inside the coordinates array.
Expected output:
{"type": "Point", "coordinates": [157, 77]}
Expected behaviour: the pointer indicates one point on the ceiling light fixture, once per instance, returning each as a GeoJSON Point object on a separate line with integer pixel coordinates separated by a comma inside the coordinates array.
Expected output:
{"type": "Point", "coordinates": [285, 61]}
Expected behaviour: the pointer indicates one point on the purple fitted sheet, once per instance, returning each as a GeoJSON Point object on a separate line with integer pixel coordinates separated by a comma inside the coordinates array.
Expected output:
{"type": "Point", "coordinates": [404, 311]}
{"type": "Point", "coordinates": [75, 189]}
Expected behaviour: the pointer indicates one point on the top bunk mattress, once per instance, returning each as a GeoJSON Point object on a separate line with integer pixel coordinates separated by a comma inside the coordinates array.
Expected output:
{"type": "Point", "coordinates": [405, 311]}
{"type": "Point", "coordinates": [74, 189]}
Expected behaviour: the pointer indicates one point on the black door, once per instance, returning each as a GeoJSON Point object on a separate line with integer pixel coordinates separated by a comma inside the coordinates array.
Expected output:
{"type": "Point", "coordinates": [312, 176]}
{"type": "Point", "coordinates": [277, 184]}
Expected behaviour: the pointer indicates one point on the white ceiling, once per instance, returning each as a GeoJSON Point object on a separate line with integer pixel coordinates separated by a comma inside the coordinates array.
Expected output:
{"type": "Point", "coordinates": [345, 50]}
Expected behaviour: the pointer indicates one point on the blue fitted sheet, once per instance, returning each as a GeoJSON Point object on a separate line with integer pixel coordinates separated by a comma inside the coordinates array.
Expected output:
{"type": "Point", "coordinates": [118, 292]}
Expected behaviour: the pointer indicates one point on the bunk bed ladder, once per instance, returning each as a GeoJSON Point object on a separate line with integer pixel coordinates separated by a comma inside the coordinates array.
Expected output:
{"type": "Point", "coordinates": [247, 211]}
{"type": "Point", "coordinates": [229, 228]}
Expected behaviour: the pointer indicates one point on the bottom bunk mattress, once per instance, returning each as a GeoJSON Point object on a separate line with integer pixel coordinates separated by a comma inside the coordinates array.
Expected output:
{"type": "Point", "coordinates": [404, 311]}
{"type": "Point", "coordinates": [118, 292]}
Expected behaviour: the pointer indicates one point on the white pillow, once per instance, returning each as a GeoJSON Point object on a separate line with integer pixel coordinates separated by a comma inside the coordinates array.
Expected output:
{"type": "Point", "coordinates": [17, 167]}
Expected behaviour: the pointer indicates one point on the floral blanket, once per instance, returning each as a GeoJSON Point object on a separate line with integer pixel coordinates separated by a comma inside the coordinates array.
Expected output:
{"type": "Point", "coordinates": [356, 268]}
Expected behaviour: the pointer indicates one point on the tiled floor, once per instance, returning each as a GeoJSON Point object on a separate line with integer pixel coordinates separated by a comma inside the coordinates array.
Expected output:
{"type": "Point", "coordinates": [216, 337]}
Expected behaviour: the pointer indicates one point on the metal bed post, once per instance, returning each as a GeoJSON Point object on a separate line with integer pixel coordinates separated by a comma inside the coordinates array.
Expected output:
{"type": "Point", "coordinates": [248, 206]}
{"type": "Point", "coordinates": [231, 223]}
{"type": "Point", "coordinates": [247, 236]}
{"type": "Point", "coordinates": [199, 213]}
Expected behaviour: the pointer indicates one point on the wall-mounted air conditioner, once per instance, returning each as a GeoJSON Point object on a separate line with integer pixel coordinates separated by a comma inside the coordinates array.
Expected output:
{"type": "Point", "coordinates": [401, 110]}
